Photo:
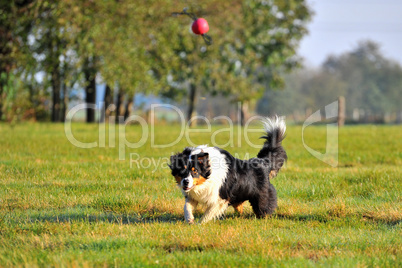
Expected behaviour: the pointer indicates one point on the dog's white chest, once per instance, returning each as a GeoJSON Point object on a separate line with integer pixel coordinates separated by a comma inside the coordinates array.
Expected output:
{"type": "Point", "coordinates": [207, 193]}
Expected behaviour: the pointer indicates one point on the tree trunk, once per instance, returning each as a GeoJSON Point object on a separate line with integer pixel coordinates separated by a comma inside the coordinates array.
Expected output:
{"type": "Point", "coordinates": [6, 62]}
{"type": "Point", "coordinates": [3, 81]}
{"type": "Point", "coordinates": [119, 104]}
{"type": "Point", "coordinates": [129, 107]}
{"type": "Point", "coordinates": [55, 81]}
{"type": "Point", "coordinates": [90, 88]}
{"type": "Point", "coordinates": [244, 113]}
{"type": "Point", "coordinates": [1, 101]}
{"type": "Point", "coordinates": [107, 100]}
{"type": "Point", "coordinates": [65, 102]}
{"type": "Point", "coordinates": [191, 101]}
{"type": "Point", "coordinates": [9, 11]}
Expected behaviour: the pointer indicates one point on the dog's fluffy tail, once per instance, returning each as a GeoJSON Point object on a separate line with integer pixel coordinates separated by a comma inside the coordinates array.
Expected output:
{"type": "Point", "coordinates": [275, 129]}
{"type": "Point", "coordinates": [272, 149]}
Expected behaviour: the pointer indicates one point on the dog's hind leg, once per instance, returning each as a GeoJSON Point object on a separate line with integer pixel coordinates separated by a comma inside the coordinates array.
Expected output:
{"type": "Point", "coordinates": [238, 207]}
{"type": "Point", "coordinates": [214, 211]}
{"type": "Point", "coordinates": [265, 204]}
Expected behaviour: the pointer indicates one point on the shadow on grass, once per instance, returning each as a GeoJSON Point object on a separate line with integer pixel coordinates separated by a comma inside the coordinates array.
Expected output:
{"type": "Point", "coordinates": [155, 215]}
{"type": "Point", "coordinates": [322, 218]}
{"type": "Point", "coordinates": [296, 217]}
{"type": "Point", "coordinates": [304, 217]}
{"type": "Point", "coordinates": [330, 218]}
{"type": "Point", "coordinates": [110, 217]}
{"type": "Point", "coordinates": [179, 247]}
{"type": "Point", "coordinates": [280, 216]}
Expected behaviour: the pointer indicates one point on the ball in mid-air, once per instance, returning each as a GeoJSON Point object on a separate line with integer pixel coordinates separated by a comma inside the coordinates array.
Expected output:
{"type": "Point", "coordinates": [200, 26]}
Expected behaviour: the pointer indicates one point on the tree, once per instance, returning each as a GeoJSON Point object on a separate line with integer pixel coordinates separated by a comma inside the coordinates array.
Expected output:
{"type": "Point", "coordinates": [78, 18]}
{"type": "Point", "coordinates": [14, 25]}
{"type": "Point", "coordinates": [290, 100]}
{"type": "Point", "coordinates": [49, 44]}
{"type": "Point", "coordinates": [369, 82]}
{"type": "Point", "coordinates": [254, 42]}
{"type": "Point", "coordinates": [78, 41]}
{"type": "Point", "coordinates": [264, 45]}
{"type": "Point", "coordinates": [114, 43]}
{"type": "Point", "coordinates": [373, 81]}
{"type": "Point", "coordinates": [178, 59]}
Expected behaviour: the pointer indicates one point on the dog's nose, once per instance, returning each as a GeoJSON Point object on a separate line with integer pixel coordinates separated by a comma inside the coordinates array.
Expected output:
{"type": "Point", "coordinates": [186, 182]}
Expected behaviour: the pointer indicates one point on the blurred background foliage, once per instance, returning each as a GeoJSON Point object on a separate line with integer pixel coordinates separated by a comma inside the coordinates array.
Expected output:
{"type": "Point", "coordinates": [56, 54]}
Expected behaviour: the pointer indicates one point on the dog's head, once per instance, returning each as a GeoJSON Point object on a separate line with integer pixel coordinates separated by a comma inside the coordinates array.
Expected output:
{"type": "Point", "coordinates": [190, 168]}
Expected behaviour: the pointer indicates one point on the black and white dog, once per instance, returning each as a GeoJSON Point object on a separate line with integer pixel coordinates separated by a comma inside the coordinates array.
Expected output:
{"type": "Point", "coordinates": [214, 178]}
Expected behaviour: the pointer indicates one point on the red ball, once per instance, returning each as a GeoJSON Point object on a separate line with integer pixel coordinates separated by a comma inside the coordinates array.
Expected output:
{"type": "Point", "coordinates": [200, 26]}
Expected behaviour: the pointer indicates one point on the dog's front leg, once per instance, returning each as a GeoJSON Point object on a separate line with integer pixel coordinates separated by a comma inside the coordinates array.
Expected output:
{"type": "Point", "coordinates": [189, 207]}
{"type": "Point", "coordinates": [214, 211]}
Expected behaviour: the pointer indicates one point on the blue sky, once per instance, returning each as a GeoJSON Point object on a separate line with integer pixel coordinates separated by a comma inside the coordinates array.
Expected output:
{"type": "Point", "coordinates": [338, 26]}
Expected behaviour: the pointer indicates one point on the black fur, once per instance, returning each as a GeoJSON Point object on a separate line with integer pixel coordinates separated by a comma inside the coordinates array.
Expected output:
{"type": "Point", "coordinates": [182, 164]}
{"type": "Point", "coordinates": [273, 150]}
{"type": "Point", "coordinates": [250, 179]}
{"type": "Point", "coordinates": [245, 179]}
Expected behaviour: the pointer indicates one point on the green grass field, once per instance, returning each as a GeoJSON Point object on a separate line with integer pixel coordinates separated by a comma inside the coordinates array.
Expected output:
{"type": "Point", "coordinates": [65, 206]}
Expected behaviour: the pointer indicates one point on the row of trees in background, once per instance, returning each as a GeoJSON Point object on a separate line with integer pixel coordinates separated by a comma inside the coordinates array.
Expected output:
{"type": "Point", "coordinates": [52, 50]}
{"type": "Point", "coordinates": [370, 82]}
{"type": "Point", "coordinates": [49, 49]}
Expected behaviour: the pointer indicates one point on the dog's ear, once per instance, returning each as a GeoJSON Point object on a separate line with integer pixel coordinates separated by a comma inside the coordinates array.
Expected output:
{"type": "Point", "coordinates": [187, 151]}
{"type": "Point", "coordinates": [174, 161]}
{"type": "Point", "coordinates": [202, 158]}
{"type": "Point", "coordinates": [203, 163]}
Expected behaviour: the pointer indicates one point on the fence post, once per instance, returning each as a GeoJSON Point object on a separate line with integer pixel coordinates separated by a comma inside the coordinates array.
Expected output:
{"type": "Point", "coordinates": [341, 111]}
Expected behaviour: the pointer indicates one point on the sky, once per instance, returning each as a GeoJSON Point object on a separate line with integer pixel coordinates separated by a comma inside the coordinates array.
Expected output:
{"type": "Point", "coordinates": [339, 25]}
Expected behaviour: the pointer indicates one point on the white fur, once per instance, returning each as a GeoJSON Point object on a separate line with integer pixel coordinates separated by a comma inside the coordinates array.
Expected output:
{"type": "Point", "coordinates": [271, 124]}
{"type": "Point", "coordinates": [190, 181]}
{"type": "Point", "coordinates": [208, 192]}
{"type": "Point", "coordinates": [189, 207]}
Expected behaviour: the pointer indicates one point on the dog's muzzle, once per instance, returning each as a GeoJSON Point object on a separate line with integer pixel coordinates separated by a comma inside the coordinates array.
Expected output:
{"type": "Point", "coordinates": [187, 184]}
